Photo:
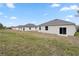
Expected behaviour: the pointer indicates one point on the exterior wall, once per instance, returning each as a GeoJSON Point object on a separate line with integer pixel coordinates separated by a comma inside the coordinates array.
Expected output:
{"type": "Point", "coordinates": [51, 29]}
{"type": "Point", "coordinates": [14, 28]}
{"type": "Point", "coordinates": [55, 30]}
{"type": "Point", "coordinates": [25, 29]}
{"type": "Point", "coordinates": [32, 29]}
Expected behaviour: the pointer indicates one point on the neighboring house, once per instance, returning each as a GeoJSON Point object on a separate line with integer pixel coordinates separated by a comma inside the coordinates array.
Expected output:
{"type": "Point", "coordinates": [59, 27]}
{"type": "Point", "coordinates": [27, 27]}
{"type": "Point", "coordinates": [14, 28]}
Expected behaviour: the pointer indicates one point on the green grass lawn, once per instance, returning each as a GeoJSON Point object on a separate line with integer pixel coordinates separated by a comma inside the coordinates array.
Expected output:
{"type": "Point", "coordinates": [16, 43]}
{"type": "Point", "coordinates": [77, 34]}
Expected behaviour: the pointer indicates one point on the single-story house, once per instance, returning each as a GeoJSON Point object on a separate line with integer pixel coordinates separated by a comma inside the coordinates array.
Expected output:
{"type": "Point", "coordinates": [56, 26]}
{"type": "Point", "coordinates": [27, 27]}
{"type": "Point", "coordinates": [59, 27]}
{"type": "Point", "coordinates": [14, 27]}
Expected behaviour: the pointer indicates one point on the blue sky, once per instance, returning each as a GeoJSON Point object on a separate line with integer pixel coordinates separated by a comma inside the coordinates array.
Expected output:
{"type": "Point", "coordinates": [12, 14]}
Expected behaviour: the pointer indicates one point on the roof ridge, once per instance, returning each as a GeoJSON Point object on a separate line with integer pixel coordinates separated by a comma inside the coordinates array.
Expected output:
{"type": "Point", "coordinates": [57, 22]}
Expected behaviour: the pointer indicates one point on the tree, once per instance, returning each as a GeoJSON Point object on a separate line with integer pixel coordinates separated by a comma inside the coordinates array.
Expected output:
{"type": "Point", "coordinates": [77, 28]}
{"type": "Point", "coordinates": [77, 15]}
{"type": "Point", "coordinates": [77, 10]}
{"type": "Point", "coordinates": [1, 26]}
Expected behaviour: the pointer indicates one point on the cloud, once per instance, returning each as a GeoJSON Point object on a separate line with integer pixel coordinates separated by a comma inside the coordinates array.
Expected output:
{"type": "Point", "coordinates": [1, 13]}
{"type": "Point", "coordinates": [1, 4]}
{"type": "Point", "coordinates": [45, 14]}
{"type": "Point", "coordinates": [64, 9]}
{"type": "Point", "coordinates": [71, 7]}
{"type": "Point", "coordinates": [10, 5]}
{"type": "Point", "coordinates": [55, 5]}
{"type": "Point", "coordinates": [67, 19]}
{"type": "Point", "coordinates": [13, 17]}
{"type": "Point", "coordinates": [5, 16]}
{"type": "Point", "coordinates": [70, 16]}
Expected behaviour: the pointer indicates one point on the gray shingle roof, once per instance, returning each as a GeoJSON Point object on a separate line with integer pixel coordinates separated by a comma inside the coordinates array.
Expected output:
{"type": "Point", "coordinates": [56, 22]}
{"type": "Point", "coordinates": [27, 25]}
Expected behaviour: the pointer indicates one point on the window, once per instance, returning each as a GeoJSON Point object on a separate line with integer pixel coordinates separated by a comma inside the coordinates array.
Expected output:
{"type": "Point", "coordinates": [35, 27]}
{"type": "Point", "coordinates": [62, 30]}
{"type": "Point", "coordinates": [46, 27]}
{"type": "Point", "coordinates": [23, 29]}
{"type": "Point", "coordinates": [40, 28]}
{"type": "Point", "coordinates": [29, 28]}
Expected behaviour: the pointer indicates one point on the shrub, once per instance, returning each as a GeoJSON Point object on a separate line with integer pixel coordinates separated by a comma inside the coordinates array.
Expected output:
{"type": "Point", "coordinates": [77, 28]}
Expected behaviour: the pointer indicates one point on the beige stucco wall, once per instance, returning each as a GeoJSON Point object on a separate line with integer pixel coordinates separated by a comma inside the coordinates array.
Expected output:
{"type": "Point", "coordinates": [32, 29]}
{"type": "Point", "coordinates": [26, 29]}
{"type": "Point", "coordinates": [55, 30]}
{"type": "Point", "coordinates": [52, 29]}
{"type": "Point", "coordinates": [15, 29]}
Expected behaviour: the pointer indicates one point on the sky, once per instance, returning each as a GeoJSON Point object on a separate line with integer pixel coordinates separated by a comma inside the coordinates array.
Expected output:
{"type": "Point", "coordinates": [13, 14]}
